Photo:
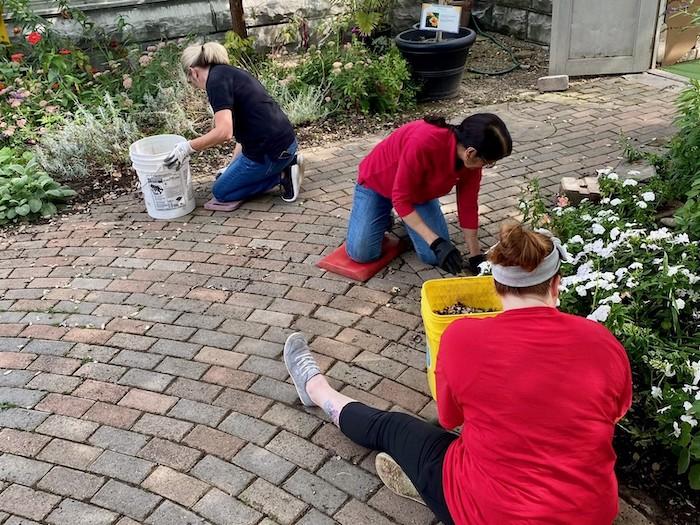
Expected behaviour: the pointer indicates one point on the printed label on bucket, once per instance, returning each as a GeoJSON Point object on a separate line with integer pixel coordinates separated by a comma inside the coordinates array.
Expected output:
{"type": "Point", "coordinates": [167, 191]}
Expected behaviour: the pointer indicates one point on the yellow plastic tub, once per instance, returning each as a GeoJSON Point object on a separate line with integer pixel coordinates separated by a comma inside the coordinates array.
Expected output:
{"type": "Point", "coordinates": [436, 294]}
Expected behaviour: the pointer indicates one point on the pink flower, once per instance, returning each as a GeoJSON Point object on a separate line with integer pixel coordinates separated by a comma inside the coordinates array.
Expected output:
{"type": "Point", "coordinates": [127, 82]}
{"type": "Point", "coordinates": [17, 57]}
{"type": "Point", "coordinates": [21, 122]}
{"type": "Point", "coordinates": [145, 60]}
{"type": "Point", "coordinates": [562, 201]}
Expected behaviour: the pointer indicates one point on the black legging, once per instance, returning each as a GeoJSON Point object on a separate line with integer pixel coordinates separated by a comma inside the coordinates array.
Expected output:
{"type": "Point", "coordinates": [418, 447]}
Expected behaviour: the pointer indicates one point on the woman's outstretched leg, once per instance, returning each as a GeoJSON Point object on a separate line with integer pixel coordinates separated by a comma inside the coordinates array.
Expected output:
{"type": "Point", "coordinates": [418, 447]}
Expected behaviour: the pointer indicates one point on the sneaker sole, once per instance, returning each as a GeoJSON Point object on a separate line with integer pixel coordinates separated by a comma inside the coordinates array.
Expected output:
{"type": "Point", "coordinates": [395, 479]}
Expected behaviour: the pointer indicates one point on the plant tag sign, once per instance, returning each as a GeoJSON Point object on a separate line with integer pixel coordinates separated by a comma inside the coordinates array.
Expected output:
{"type": "Point", "coordinates": [435, 17]}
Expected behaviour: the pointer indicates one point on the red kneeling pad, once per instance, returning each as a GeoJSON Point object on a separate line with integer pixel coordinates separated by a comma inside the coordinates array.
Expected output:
{"type": "Point", "coordinates": [339, 262]}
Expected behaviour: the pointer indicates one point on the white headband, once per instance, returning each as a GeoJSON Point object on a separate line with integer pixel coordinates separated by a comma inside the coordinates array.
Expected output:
{"type": "Point", "coordinates": [518, 277]}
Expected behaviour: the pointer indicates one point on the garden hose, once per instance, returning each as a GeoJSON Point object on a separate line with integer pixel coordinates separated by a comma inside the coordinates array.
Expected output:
{"type": "Point", "coordinates": [514, 66]}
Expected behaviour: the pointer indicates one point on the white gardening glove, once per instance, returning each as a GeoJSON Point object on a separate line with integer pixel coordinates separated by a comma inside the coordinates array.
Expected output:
{"type": "Point", "coordinates": [178, 155]}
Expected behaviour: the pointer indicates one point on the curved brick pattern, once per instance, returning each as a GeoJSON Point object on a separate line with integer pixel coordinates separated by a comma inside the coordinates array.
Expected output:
{"type": "Point", "coordinates": [140, 370]}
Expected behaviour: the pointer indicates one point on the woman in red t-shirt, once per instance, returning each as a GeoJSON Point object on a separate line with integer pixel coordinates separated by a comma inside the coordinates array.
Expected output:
{"type": "Point", "coordinates": [409, 171]}
{"type": "Point", "coordinates": [538, 393]}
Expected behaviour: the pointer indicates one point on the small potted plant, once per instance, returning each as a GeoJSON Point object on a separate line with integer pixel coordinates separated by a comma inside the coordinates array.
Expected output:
{"type": "Point", "coordinates": [437, 59]}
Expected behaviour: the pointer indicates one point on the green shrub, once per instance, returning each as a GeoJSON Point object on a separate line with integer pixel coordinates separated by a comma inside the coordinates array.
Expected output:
{"type": "Point", "coordinates": [27, 192]}
{"type": "Point", "coordinates": [357, 79]}
{"type": "Point", "coordinates": [684, 155]}
{"type": "Point", "coordinates": [240, 50]}
{"type": "Point", "coordinates": [303, 105]}
{"type": "Point", "coordinates": [641, 281]}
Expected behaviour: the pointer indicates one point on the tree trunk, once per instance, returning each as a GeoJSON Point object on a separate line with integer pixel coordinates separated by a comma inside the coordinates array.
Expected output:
{"type": "Point", "coordinates": [237, 21]}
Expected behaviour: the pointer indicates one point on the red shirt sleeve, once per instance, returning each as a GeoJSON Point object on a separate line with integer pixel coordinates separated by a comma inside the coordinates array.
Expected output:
{"type": "Point", "coordinates": [468, 199]}
{"type": "Point", "coordinates": [450, 413]}
{"type": "Point", "coordinates": [403, 193]}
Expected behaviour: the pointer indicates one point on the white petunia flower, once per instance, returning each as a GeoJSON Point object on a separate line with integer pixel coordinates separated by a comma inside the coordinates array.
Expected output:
{"type": "Point", "coordinates": [581, 290]}
{"type": "Point", "coordinates": [586, 217]}
{"type": "Point", "coordinates": [630, 182]}
{"type": "Point", "coordinates": [600, 314]}
{"type": "Point", "coordinates": [648, 196]}
{"type": "Point", "coordinates": [687, 405]}
{"type": "Point", "coordinates": [632, 283]}
{"type": "Point", "coordinates": [689, 389]}
{"type": "Point", "coordinates": [620, 273]}
{"type": "Point", "coordinates": [636, 266]}
{"type": "Point", "coordinates": [680, 304]}
{"type": "Point", "coordinates": [696, 372]}
{"type": "Point", "coordinates": [604, 171]}
{"type": "Point", "coordinates": [690, 420]}
{"type": "Point", "coordinates": [614, 233]}
{"type": "Point", "coordinates": [613, 176]}
{"type": "Point", "coordinates": [673, 270]}
{"type": "Point", "coordinates": [604, 200]}
{"type": "Point", "coordinates": [597, 229]}
{"type": "Point", "coordinates": [669, 371]}
{"type": "Point", "coordinates": [681, 239]}
{"type": "Point", "coordinates": [643, 205]}
{"type": "Point", "coordinates": [656, 392]}
{"type": "Point", "coordinates": [577, 239]}
{"type": "Point", "coordinates": [615, 202]}
{"type": "Point", "coordinates": [676, 430]}
{"type": "Point", "coordinates": [663, 409]}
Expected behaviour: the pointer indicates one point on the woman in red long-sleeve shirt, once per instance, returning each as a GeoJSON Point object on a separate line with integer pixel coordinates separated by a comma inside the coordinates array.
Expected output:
{"type": "Point", "coordinates": [538, 393]}
{"type": "Point", "coordinates": [409, 171]}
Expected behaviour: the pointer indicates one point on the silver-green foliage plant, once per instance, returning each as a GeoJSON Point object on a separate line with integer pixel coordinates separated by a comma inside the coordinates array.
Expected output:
{"type": "Point", "coordinates": [26, 191]}
{"type": "Point", "coordinates": [165, 110]}
{"type": "Point", "coordinates": [303, 105]}
{"type": "Point", "coordinates": [91, 140]}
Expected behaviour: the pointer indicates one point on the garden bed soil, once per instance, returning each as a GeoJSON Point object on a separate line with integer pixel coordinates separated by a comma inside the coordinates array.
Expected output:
{"type": "Point", "coordinates": [649, 482]}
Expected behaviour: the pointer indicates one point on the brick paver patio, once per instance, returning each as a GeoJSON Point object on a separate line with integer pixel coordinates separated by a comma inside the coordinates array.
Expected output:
{"type": "Point", "coordinates": [141, 375]}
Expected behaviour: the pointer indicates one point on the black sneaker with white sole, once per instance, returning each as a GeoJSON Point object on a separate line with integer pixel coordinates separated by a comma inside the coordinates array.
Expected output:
{"type": "Point", "coordinates": [291, 178]}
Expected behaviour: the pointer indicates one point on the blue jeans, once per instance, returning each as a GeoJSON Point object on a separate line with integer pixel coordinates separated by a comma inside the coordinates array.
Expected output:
{"type": "Point", "coordinates": [245, 178]}
{"type": "Point", "coordinates": [371, 217]}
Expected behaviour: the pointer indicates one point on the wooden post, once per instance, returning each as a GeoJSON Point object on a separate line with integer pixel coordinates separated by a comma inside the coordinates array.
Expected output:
{"type": "Point", "coordinates": [237, 20]}
{"type": "Point", "coordinates": [438, 36]}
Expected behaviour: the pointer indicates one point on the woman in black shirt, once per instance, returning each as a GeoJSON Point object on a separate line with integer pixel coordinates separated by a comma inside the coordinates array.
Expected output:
{"type": "Point", "coordinates": [266, 149]}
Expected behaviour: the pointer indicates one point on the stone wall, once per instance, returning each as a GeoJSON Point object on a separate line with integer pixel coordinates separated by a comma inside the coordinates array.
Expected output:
{"type": "Point", "coordinates": [153, 20]}
{"type": "Point", "coordinates": [525, 19]}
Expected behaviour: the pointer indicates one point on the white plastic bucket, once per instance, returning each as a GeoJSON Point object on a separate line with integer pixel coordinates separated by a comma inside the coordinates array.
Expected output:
{"type": "Point", "coordinates": [168, 193]}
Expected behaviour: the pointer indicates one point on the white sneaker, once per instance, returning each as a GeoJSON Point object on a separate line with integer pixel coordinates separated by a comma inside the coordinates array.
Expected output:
{"type": "Point", "coordinates": [296, 175]}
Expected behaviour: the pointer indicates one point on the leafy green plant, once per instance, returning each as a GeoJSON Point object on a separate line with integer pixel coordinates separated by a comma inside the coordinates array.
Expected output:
{"type": "Point", "coordinates": [240, 50]}
{"type": "Point", "coordinates": [26, 191]}
{"type": "Point", "coordinates": [365, 15]}
{"type": "Point", "coordinates": [684, 154]}
{"type": "Point", "coordinates": [688, 216]}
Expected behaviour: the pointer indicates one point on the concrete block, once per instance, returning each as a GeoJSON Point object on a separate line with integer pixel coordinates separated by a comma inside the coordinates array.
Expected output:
{"type": "Point", "coordinates": [578, 189]}
{"type": "Point", "coordinates": [553, 83]}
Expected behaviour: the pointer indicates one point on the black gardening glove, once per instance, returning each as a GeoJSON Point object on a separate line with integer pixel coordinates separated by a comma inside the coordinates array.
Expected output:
{"type": "Point", "coordinates": [448, 257]}
{"type": "Point", "coordinates": [474, 262]}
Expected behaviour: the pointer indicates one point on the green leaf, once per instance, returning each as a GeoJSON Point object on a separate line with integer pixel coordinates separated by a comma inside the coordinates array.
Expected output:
{"type": "Point", "coordinates": [48, 209]}
{"type": "Point", "coordinates": [683, 461]}
{"type": "Point", "coordinates": [11, 213]}
{"type": "Point", "coordinates": [23, 210]}
{"type": "Point", "coordinates": [34, 205]}
{"type": "Point", "coordinates": [67, 192]}
{"type": "Point", "coordinates": [694, 477]}
{"type": "Point", "coordinates": [56, 192]}
{"type": "Point", "coordinates": [695, 447]}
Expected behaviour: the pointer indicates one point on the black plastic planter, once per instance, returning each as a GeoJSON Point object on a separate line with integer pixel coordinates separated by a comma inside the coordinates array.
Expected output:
{"type": "Point", "coordinates": [437, 66]}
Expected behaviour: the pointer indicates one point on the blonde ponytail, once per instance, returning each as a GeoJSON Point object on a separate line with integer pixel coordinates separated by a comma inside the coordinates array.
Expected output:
{"type": "Point", "coordinates": [207, 54]}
